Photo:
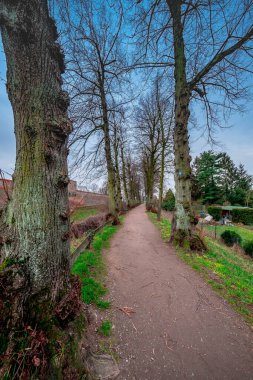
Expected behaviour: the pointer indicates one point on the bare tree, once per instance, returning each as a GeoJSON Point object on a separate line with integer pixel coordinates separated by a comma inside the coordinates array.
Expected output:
{"type": "Point", "coordinates": [153, 133]}
{"type": "Point", "coordinates": [209, 45]}
{"type": "Point", "coordinates": [165, 116]}
{"type": "Point", "coordinates": [148, 140]}
{"type": "Point", "coordinates": [94, 79]}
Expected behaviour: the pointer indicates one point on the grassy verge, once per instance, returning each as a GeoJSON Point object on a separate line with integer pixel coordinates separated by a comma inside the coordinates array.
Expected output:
{"type": "Point", "coordinates": [83, 213]}
{"type": "Point", "coordinates": [90, 267]}
{"type": "Point", "coordinates": [164, 225]}
{"type": "Point", "coordinates": [228, 272]}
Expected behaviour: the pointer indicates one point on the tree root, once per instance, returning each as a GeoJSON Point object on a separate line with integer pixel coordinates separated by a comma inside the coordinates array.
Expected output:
{"type": "Point", "coordinates": [38, 336]}
{"type": "Point", "coordinates": [191, 241]}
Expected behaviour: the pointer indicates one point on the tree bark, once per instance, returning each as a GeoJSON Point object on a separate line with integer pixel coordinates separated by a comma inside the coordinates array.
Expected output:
{"type": "Point", "coordinates": [161, 182]}
{"type": "Point", "coordinates": [124, 179]}
{"type": "Point", "coordinates": [150, 180]}
{"type": "Point", "coordinates": [108, 155]}
{"type": "Point", "coordinates": [183, 213]}
{"type": "Point", "coordinates": [117, 171]}
{"type": "Point", "coordinates": [37, 296]}
{"type": "Point", "coordinates": [36, 218]}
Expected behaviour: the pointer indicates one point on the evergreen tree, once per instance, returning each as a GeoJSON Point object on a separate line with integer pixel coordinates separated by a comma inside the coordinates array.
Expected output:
{"type": "Point", "coordinates": [206, 173]}
{"type": "Point", "coordinates": [227, 176]}
{"type": "Point", "coordinates": [216, 179]}
{"type": "Point", "coordinates": [242, 187]}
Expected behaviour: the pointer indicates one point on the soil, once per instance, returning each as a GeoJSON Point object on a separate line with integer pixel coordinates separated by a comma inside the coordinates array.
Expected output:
{"type": "Point", "coordinates": [174, 326]}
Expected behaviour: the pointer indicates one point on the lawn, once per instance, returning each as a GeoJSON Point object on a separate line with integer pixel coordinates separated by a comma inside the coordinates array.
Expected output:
{"type": "Point", "coordinates": [245, 233]}
{"type": "Point", "coordinates": [227, 271]}
{"type": "Point", "coordinates": [83, 213]}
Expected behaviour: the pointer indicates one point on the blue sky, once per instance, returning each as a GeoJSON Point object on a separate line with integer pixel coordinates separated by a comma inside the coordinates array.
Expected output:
{"type": "Point", "coordinates": [236, 141]}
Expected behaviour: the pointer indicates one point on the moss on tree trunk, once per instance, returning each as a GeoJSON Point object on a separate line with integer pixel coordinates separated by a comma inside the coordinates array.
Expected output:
{"type": "Point", "coordinates": [35, 249]}
{"type": "Point", "coordinates": [183, 213]}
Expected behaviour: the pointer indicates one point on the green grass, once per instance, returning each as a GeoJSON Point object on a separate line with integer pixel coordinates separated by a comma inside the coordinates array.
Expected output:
{"type": "Point", "coordinates": [90, 267]}
{"type": "Point", "coordinates": [83, 213]}
{"type": "Point", "coordinates": [228, 272]}
{"type": "Point", "coordinates": [164, 225]}
{"type": "Point", "coordinates": [105, 328]}
{"type": "Point", "coordinates": [245, 233]}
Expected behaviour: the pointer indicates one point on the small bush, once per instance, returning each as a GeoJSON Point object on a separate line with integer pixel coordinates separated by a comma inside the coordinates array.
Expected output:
{"type": "Point", "coordinates": [168, 203]}
{"type": "Point", "coordinates": [248, 247]}
{"type": "Point", "coordinates": [230, 238]}
{"type": "Point", "coordinates": [91, 223]}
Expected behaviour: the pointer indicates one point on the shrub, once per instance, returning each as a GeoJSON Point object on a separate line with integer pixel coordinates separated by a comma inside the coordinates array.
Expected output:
{"type": "Point", "coordinates": [242, 215]}
{"type": "Point", "coordinates": [248, 247]}
{"type": "Point", "coordinates": [91, 223]}
{"type": "Point", "coordinates": [168, 203]}
{"type": "Point", "coordinates": [216, 212]}
{"type": "Point", "coordinates": [230, 238]}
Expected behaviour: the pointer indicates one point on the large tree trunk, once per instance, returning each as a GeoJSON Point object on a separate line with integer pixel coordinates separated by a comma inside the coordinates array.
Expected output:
{"type": "Point", "coordinates": [37, 215]}
{"type": "Point", "coordinates": [124, 177]}
{"type": "Point", "coordinates": [161, 182]}
{"type": "Point", "coordinates": [183, 213]}
{"type": "Point", "coordinates": [36, 292]}
{"type": "Point", "coordinates": [150, 183]}
{"type": "Point", "coordinates": [117, 172]}
{"type": "Point", "coordinates": [111, 174]}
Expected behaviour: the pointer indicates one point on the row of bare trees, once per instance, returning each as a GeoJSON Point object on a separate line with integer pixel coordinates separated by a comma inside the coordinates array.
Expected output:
{"type": "Point", "coordinates": [95, 79]}
{"type": "Point", "coordinates": [153, 126]}
{"type": "Point", "coordinates": [202, 50]}
{"type": "Point", "coordinates": [208, 47]}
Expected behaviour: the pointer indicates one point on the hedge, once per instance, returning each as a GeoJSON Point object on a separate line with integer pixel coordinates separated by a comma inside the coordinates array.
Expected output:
{"type": "Point", "coordinates": [242, 215]}
{"type": "Point", "coordinates": [239, 215]}
{"type": "Point", "coordinates": [215, 212]}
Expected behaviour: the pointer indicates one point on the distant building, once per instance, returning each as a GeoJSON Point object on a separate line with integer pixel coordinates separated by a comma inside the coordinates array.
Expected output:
{"type": "Point", "coordinates": [5, 191]}
{"type": "Point", "coordinates": [77, 198]}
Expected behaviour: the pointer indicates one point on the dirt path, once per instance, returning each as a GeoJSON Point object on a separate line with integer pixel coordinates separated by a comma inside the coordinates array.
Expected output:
{"type": "Point", "coordinates": [180, 329]}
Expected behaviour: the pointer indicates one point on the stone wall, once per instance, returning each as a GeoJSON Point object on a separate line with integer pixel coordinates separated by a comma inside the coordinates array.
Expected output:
{"type": "Point", "coordinates": [77, 198]}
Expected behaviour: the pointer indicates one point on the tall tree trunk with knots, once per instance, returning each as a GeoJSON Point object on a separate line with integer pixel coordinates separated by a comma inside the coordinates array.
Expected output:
{"type": "Point", "coordinates": [35, 252]}
{"type": "Point", "coordinates": [183, 215]}
{"type": "Point", "coordinates": [37, 215]}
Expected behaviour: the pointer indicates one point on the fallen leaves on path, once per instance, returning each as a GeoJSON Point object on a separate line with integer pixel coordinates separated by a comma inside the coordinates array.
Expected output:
{"type": "Point", "coordinates": [127, 310]}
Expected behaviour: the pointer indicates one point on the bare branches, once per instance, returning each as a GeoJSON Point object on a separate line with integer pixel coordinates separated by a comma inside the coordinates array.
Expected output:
{"type": "Point", "coordinates": [220, 56]}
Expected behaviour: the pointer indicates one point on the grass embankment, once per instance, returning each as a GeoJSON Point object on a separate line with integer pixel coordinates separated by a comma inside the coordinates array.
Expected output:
{"type": "Point", "coordinates": [90, 267]}
{"type": "Point", "coordinates": [228, 272]}
{"type": "Point", "coordinates": [83, 213]}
